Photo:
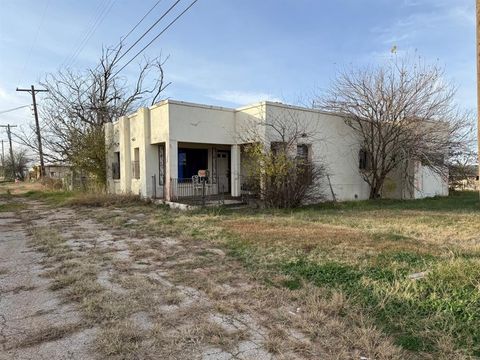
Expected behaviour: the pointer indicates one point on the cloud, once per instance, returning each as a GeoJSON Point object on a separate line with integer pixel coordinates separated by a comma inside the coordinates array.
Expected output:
{"type": "Point", "coordinates": [243, 97]}
{"type": "Point", "coordinates": [420, 23]}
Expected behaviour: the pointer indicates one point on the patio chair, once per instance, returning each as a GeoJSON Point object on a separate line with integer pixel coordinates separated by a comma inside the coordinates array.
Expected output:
{"type": "Point", "coordinates": [197, 184]}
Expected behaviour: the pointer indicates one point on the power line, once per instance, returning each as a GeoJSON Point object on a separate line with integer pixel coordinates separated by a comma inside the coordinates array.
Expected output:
{"type": "Point", "coordinates": [17, 108]}
{"type": "Point", "coordinates": [156, 37]}
{"type": "Point", "coordinates": [148, 30]}
{"type": "Point", "coordinates": [141, 20]}
{"type": "Point", "coordinates": [99, 12]}
{"type": "Point", "coordinates": [128, 34]}
{"type": "Point", "coordinates": [93, 29]}
{"type": "Point", "coordinates": [35, 38]}
{"type": "Point", "coordinates": [101, 16]}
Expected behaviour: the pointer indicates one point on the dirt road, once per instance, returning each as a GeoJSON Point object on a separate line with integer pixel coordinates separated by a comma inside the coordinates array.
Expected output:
{"type": "Point", "coordinates": [87, 283]}
{"type": "Point", "coordinates": [29, 311]}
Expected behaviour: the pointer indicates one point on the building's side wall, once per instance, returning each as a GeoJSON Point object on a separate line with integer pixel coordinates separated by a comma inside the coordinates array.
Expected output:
{"type": "Point", "coordinates": [333, 145]}
{"type": "Point", "coordinates": [429, 183]}
{"type": "Point", "coordinates": [125, 136]}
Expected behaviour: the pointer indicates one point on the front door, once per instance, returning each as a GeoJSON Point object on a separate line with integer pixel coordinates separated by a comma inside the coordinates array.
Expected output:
{"type": "Point", "coordinates": [223, 171]}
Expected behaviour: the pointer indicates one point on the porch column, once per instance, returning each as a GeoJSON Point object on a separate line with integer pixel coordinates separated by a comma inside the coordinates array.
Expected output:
{"type": "Point", "coordinates": [125, 154]}
{"type": "Point", "coordinates": [235, 171]}
{"type": "Point", "coordinates": [108, 129]}
{"type": "Point", "coordinates": [171, 166]}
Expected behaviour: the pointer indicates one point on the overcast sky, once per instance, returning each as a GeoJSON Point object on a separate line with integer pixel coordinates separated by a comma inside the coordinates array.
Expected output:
{"type": "Point", "coordinates": [233, 52]}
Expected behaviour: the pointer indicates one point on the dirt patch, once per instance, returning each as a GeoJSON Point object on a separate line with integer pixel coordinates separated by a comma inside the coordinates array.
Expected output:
{"type": "Point", "coordinates": [123, 294]}
{"type": "Point", "coordinates": [35, 323]}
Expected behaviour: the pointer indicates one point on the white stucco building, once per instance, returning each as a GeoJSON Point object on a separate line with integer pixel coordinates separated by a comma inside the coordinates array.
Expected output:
{"type": "Point", "coordinates": [156, 151]}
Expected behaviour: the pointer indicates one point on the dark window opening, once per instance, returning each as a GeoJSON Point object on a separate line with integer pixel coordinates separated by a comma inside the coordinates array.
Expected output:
{"type": "Point", "coordinates": [277, 148]}
{"type": "Point", "coordinates": [116, 165]}
{"type": "Point", "coordinates": [304, 168]}
{"type": "Point", "coordinates": [136, 163]}
{"type": "Point", "coordinates": [302, 153]}
{"type": "Point", "coordinates": [364, 160]}
{"type": "Point", "coordinates": [190, 161]}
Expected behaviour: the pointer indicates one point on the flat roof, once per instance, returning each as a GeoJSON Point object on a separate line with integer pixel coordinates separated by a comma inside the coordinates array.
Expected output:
{"type": "Point", "coordinates": [222, 108]}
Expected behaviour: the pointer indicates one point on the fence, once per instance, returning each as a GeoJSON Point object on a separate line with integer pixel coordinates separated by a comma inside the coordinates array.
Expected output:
{"type": "Point", "coordinates": [200, 190]}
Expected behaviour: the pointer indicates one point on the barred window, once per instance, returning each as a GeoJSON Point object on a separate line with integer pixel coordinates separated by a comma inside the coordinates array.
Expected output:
{"type": "Point", "coordinates": [136, 163]}
{"type": "Point", "coordinates": [116, 165]}
{"type": "Point", "coordinates": [302, 153]}
{"type": "Point", "coordinates": [364, 162]}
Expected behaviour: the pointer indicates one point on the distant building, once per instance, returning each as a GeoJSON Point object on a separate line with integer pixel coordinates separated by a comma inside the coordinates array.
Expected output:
{"type": "Point", "coordinates": [56, 171]}
{"type": "Point", "coordinates": [464, 178]}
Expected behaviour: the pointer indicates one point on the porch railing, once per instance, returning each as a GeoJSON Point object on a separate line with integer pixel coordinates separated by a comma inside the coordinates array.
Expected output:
{"type": "Point", "coordinates": [200, 191]}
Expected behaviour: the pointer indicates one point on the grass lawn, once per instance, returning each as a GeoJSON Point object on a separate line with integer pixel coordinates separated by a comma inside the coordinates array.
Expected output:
{"type": "Point", "coordinates": [372, 252]}
{"type": "Point", "coordinates": [411, 268]}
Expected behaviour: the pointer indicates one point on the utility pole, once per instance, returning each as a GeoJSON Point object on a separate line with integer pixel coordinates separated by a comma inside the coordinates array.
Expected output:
{"type": "Point", "coordinates": [478, 86]}
{"type": "Point", "coordinates": [3, 156]}
{"type": "Point", "coordinates": [3, 161]}
{"type": "Point", "coordinates": [9, 134]}
{"type": "Point", "coordinates": [33, 91]}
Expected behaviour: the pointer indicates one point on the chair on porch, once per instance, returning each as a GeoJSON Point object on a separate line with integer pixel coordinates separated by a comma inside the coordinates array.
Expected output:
{"type": "Point", "coordinates": [196, 184]}
{"type": "Point", "coordinates": [200, 182]}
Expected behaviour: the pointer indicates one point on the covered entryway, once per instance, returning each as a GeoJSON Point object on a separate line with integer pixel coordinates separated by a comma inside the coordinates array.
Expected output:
{"type": "Point", "coordinates": [203, 173]}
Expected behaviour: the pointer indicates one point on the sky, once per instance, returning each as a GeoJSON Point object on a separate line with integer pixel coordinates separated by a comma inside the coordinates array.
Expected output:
{"type": "Point", "coordinates": [234, 52]}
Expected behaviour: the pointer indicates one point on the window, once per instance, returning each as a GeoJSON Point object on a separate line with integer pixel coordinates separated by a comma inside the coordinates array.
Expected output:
{"type": "Point", "coordinates": [302, 153]}
{"type": "Point", "coordinates": [304, 168]}
{"type": "Point", "coordinates": [277, 147]}
{"type": "Point", "coordinates": [190, 161]}
{"type": "Point", "coordinates": [364, 161]}
{"type": "Point", "coordinates": [136, 163]}
{"type": "Point", "coordinates": [116, 165]}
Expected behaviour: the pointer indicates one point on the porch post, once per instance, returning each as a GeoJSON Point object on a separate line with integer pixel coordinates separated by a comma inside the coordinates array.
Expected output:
{"type": "Point", "coordinates": [125, 155]}
{"type": "Point", "coordinates": [171, 166]}
{"type": "Point", "coordinates": [235, 171]}
{"type": "Point", "coordinates": [108, 128]}
{"type": "Point", "coordinates": [147, 163]}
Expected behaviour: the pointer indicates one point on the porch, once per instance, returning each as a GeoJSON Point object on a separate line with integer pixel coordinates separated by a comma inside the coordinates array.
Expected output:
{"type": "Point", "coordinates": [202, 173]}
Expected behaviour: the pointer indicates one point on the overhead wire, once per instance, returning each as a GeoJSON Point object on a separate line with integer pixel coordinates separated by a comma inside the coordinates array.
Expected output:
{"type": "Point", "coordinates": [89, 34]}
{"type": "Point", "coordinates": [156, 37]}
{"type": "Point", "coordinates": [35, 38]}
{"type": "Point", "coordinates": [13, 109]}
{"type": "Point", "coordinates": [148, 30]}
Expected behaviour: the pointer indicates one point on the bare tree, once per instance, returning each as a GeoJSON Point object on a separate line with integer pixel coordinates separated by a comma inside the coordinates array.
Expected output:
{"type": "Point", "coordinates": [403, 112]}
{"type": "Point", "coordinates": [19, 167]}
{"type": "Point", "coordinates": [463, 170]}
{"type": "Point", "coordinates": [78, 104]}
{"type": "Point", "coordinates": [280, 169]}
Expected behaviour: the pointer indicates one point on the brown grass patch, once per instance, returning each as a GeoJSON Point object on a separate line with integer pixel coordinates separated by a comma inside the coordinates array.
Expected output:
{"type": "Point", "coordinates": [339, 241]}
{"type": "Point", "coordinates": [50, 333]}
{"type": "Point", "coordinates": [121, 338]}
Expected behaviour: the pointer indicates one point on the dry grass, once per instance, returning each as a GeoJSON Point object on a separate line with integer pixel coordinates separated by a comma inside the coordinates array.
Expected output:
{"type": "Point", "coordinates": [320, 282]}
{"type": "Point", "coordinates": [122, 339]}
{"type": "Point", "coordinates": [103, 199]}
{"type": "Point", "coordinates": [45, 334]}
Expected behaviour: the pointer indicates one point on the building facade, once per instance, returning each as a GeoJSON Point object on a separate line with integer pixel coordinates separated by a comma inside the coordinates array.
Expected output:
{"type": "Point", "coordinates": [162, 151]}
